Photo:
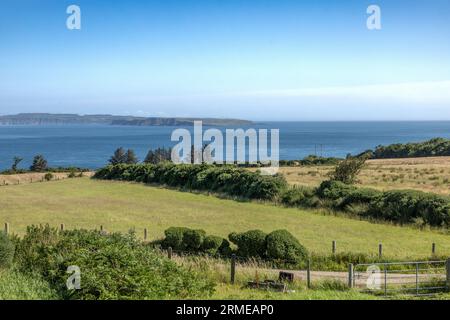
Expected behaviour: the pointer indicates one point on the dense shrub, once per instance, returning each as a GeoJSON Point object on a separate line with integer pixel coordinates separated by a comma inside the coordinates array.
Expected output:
{"type": "Point", "coordinates": [250, 244]}
{"type": "Point", "coordinates": [193, 239]}
{"type": "Point", "coordinates": [281, 245]}
{"type": "Point", "coordinates": [174, 238]}
{"type": "Point", "coordinates": [225, 179]}
{"type": "Point", "coordinates": [299, 197]}
{"type": "Point", "coordinates": [359, 196]}
{"type": "Point", "coordinates": [6, 250]}
{"type": "Point", "coordinates": [112, 266]}
{"type": "Point", "coordinates": [334, 190]}
{"type": "Point", "coordinates": [405, 206]}
{"type": "Point", "coordinates": [211, 244]}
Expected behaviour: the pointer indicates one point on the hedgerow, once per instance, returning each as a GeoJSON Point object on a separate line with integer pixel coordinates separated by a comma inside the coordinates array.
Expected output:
{"type": "Point", "coordinates": [224, 179]}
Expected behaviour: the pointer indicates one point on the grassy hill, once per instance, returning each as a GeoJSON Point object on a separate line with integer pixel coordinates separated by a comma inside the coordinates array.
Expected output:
{"type": "Point", "coordinates": [119, 206]}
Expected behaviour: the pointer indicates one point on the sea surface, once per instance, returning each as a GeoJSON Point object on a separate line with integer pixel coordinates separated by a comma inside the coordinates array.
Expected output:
{"type": "Point", "coordinates": [90, 146]}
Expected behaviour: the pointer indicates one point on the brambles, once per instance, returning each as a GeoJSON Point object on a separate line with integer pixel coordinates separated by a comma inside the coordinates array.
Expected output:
{"type": "Point", "coordinates": [113, 266]}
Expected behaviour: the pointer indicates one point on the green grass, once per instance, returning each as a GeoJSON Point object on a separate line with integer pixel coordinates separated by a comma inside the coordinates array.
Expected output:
{"type": "Point", "coordinates": [236, 292]}
{"type": "Point", "coordinates": [16, 286]}
{"type": "Point", "coordinates": [119, 206]}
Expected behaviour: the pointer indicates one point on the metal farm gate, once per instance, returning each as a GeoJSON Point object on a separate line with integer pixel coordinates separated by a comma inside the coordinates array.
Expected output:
{"type": "Point", "coordinates": [417, 277]}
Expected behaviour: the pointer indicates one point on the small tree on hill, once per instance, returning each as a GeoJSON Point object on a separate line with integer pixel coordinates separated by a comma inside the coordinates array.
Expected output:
{"type": "Point", "coordinates": [39, 164]}
{"type": "Point", "coordinates": [15, 164]}
{"type": "Point", "coordinates": [119, 156]}
{"type": "Point", "coordinates": [347, 170]}
{"type": "Point", "coordinates": [130, 157]}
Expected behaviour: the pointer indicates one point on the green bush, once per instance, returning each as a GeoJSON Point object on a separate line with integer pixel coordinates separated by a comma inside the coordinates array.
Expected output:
{"type": "Point", "coordinates": [299, 197]}
{"type": "Point", "coordinates": [334, 190]}
{"type": "Point", "coordinates": [404, 206]}
{"type": "Point", "coordinates": [193, 239]}
{"type": "Point", "coordinates": [359, 196]}
{"type": "Point", "coordinates": [174, 238]}
{"type": "Point", "coordinates": [225, 249]}
{"type": "Point", "coordinates": [48, 176]}
{"type": "Point", "coordinates": [211, 244]}
{"type": "Point", "coordinates": [7, 249]}
{"type": "Point", "coordinates": [113, 266]}
{"type": "Point", "coordinates": [281, 245]}
{"type": "Point", "coordinates": [250, 244]}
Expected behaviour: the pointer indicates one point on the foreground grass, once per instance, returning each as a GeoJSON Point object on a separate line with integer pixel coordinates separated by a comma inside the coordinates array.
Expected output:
{"type": "Point", "coordinates": [236, 292]}
{"type": "Point", "coordinates": [17, 286]}
{"type": "Point", "coordinates": [119, 206]}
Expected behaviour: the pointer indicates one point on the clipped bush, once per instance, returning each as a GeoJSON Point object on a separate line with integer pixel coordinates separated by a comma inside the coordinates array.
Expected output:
{"type": "Point", "coordinates": [225, 249]}
{"type": "Point", "coordinates": [211, 244]}
{"type": "Point", "coordinates": [281, 245]}
{"type": "Point", "coordinates": [250, 244]}
{"type": "Point", "coordinates": [193, 239]}
{"type": "Point", "coordinates": [174, 238]}
{"type": "Point", "coordinates": [6, 251]}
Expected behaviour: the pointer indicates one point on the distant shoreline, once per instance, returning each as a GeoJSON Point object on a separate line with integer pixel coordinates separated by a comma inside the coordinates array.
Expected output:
{"type": "Point", "coordinates": [75, 119]}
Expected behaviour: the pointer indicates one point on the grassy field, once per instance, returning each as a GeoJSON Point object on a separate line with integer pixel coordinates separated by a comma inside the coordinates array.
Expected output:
{"type": "Point", "coordinates": [119, 206]}
{"type": "Point", "coordinates": [426, 174]}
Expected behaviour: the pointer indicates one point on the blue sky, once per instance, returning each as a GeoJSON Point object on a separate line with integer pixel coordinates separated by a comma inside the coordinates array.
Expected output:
{"type": "Point", "coordinates": [261, 60]}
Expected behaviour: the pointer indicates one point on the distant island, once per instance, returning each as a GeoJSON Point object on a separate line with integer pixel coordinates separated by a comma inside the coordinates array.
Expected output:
{"type": "Point", "coordinates": [106, 119]}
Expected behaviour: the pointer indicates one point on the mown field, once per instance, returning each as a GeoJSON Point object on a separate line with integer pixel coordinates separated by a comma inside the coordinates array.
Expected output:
{"type": "Point", "coordinates": [425, 174]}
{"type": "Point", "coordinates": [119, 206]}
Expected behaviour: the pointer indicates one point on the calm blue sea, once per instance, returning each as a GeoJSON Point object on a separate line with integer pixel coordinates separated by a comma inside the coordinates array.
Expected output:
{"type": "Point", "coordinates": [90, 146]}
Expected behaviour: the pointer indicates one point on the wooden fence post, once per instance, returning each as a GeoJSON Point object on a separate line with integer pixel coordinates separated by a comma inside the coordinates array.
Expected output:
{"type": "Point", "coordinates": [350, 275]}
{"type": "Point", "coordinates": [6, 227]}
{"type": "Point", "coordinates": [145, 234]}
{"type": "Point", "coordinates": [380, 250]}
{"type": "Point", "coordinates": [101, 228]}
{"type": "Point", "coordinates": [62, 227]}
{"type": "Point", "coordinates": [433, 248]}
{"type": "Point", "coordinates": [308, 274]}
{"type": "Point", "coordinates": [333, 247]}
{"type": "Point", "coordinates": [169, 253]}
{"type": "Point", "coordinates": [233, 268]}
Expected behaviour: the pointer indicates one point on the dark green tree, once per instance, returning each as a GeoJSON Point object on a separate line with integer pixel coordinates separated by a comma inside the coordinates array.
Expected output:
{"type": "Point", "coordinates": [39, 164]}
{"type": "Point", "coordinates": [16, 161]}
{"type": "Point", "coordinates": [158, 155]}
{"type": "Point", "coordinates": [119, 156]}
{"type": "Point", "coordinates": [130, 157]}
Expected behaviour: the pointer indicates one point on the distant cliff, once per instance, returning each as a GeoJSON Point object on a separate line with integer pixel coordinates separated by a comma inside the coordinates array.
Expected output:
{"type": "Point", "coordinates": [64, 119]}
